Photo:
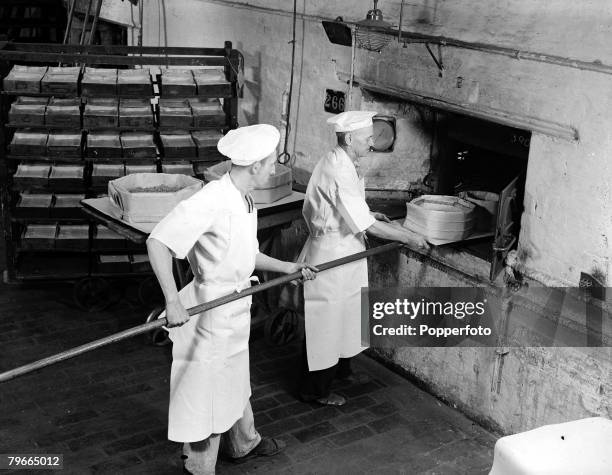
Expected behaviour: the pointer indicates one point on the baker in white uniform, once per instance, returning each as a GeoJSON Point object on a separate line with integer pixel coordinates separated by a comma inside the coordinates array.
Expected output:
{"type": "Point", "coordinates": [216, 230]}
{"type": "Point", "coordinates": [337, 217]}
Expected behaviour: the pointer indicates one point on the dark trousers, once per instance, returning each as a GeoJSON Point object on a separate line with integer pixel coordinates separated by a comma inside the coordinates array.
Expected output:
{"type": "Point", "coordinates": [317, 384]}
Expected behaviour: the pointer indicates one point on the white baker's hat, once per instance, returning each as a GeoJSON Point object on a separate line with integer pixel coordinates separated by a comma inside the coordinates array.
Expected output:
{"type": "Point", "coordinates": [351, 120]}
{"type": "Point", "coordinates": [247, 145]}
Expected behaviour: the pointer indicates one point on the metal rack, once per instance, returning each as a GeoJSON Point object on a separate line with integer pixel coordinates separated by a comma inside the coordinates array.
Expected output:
{"type": "Point", "coordinates": [94, 55]}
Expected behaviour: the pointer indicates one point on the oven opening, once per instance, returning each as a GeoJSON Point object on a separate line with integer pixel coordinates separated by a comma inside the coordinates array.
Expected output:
{"type": "Point", "coordinates": [485, 163]}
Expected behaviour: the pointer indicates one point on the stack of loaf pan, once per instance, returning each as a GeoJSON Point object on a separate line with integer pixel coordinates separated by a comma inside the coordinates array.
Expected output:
{"type": "Point", "coordinates": [212, 83]}
{"type": "Point", "coordinates": [28, 111]}
{"type": "Point", "coordinates": [61, 80]}
{"type": "Point", "coordinates": [101, 112]}
{"type": "Point", "coordinates": [24, 79]}
{"type": "Point", "coordinates": [134, 82]}
{"type": "Point", "coordinates": [177, 82]}
{"type": "Point", "coordinates": [64, 112]}
{"type": "Point", "coordinates": [99, 82]}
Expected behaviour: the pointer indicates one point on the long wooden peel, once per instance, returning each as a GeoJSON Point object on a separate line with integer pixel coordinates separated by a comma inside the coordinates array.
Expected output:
{"type": "Point", "coordinates": [146, 327]}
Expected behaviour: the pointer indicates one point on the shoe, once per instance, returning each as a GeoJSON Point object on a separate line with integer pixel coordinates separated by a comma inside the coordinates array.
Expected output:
{"type": "Point", "coordinates": [332, 400]}
{"type": "Point", "coordinates": [266, 448]}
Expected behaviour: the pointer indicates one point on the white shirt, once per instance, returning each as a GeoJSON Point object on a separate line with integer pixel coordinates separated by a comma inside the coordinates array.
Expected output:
{"type": "Point", "coordinates": [335, 197]}
{"type": "Point", "coordinates": [199, 227]}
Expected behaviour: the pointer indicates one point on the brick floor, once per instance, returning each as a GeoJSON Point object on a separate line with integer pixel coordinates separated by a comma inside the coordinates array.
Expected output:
{"type": "Point", "coordinates": [106, 410]}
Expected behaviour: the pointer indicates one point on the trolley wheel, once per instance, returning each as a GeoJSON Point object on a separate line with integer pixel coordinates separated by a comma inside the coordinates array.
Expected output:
{"type": "Point", "coordinates": [149, 292]}
{"type": "Point", "coordinates": [282, 327]}
{"type": "Point", "coordinates": [159, 336]}
{"type": "Point", "coordinates": [94, 294]}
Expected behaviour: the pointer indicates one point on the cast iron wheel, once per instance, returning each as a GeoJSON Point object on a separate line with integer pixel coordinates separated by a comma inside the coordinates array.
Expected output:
{"type": "Point", "coordinates": [94, 294]}
{"type": "Point", "coordinates": [282, 327]}
{"type": "Point", "coordinates": [159, 336]}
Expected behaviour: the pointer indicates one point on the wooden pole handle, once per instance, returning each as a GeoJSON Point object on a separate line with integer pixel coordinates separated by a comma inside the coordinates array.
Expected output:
{"type": "Point", "coordinates": [147, 327]}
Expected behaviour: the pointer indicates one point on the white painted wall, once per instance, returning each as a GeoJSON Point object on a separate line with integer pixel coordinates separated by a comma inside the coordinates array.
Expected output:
{"type": "Point", "coordinates": [567, 224]}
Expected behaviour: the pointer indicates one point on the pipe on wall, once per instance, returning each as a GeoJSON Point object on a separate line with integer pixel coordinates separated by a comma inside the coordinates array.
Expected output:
{"type": "Point", "coordinates": [413, 37]}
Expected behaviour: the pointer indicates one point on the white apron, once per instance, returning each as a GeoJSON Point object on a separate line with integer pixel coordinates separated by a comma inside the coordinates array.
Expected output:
{"type": "Point", "coordinates": [209, 382]}
{"type": "Point", "coordinates": [332, 301]}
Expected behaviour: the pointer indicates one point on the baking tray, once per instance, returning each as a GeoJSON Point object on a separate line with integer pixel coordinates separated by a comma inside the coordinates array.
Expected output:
{"type": "Point", "coordinates": [135, 113]}
{"type": "Point", "coordinates": [27, 114]}
{"type": "Point", "coordinates": [138, 145]}
{"type": "Point", "coordinates": [61, 80]}
{"type": "Point", "coordinates": [207, 113]}
{"type": "Point", "coordinates": [63, 144]}
{"type": "Point", "coordinates": [32, 175]}
{"type": "Point", "coordinates": [134, 82]}
{"type": "Point", "coordinates": [178, 145]}
{"type": "Point", "coordinates": [131, 169]}
{"type": "Point", "coordinates": [31, 205]}
{"type": "Point", "coordinates": [181, 169]}
{"type": "Point", "coordinates": [27, 142]}
{"type": "Point", "coordinates": [212, 83]}
{"type": "Point", "coordinates": [105, 144]}
{"type": "Point", "coordinates": [99, 82]}
{"type": "Point", "coordinates": [101, 112]}
{"type": "Point", "coordinates": [177, 82]}
{"type": "Point", "coordinates": [67, 177]}
{"type": "Point", "coordinates": [64, 112]}
{"type": "Point", "coordinates": [105, 239]}
{"type": "Point", "coordinates": [206, 144]}
{"type": "Point", "coordinates": [102, 173]}
{"type": "Point", "coordinates": [23, 79]}
{"type": "Point", "coordinates": [39, 236]}
{"type": "Point", "coordinates": [67, 206]}
{"type": "Point", "coordinates": [72, 237]}
{"type": "Point", "coordinates": [113, 263]}
{"type": "Point", "coordinates": [175, 113]}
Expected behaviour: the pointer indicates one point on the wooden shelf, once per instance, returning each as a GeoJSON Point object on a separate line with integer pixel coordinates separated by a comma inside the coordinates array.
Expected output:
{"type": "Point", "coordinates": [25, 263]}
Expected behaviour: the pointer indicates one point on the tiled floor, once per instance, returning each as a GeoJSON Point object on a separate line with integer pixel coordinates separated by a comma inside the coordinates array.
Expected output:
{"type": "Point", "coordinates": [106, 410]}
